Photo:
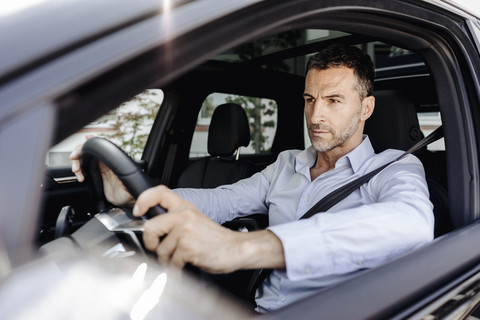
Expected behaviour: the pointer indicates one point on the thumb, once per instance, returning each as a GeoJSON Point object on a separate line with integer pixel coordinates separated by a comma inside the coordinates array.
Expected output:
{"type": "Point", "coordinates": [159, 195]}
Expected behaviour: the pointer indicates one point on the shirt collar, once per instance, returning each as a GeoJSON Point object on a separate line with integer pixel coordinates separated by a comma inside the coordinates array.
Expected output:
{"type": "Point", "coordinates": [360, 154]}
{"type": "Point", "coordinates": [357, 157]}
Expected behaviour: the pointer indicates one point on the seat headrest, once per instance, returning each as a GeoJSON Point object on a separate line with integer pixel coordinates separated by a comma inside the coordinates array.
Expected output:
{"type": "Point", "coordinates": [394, 122]}
{"type": "Point", "coordinates": [229, 129]}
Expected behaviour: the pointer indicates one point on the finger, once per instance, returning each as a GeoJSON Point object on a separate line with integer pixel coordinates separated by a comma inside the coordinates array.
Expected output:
{"type": "Point", "coordinates": [76, 170]}
{"type": "Point", "coordinates": [76, 167]}
{"type": "Point", "coordinates": [178, 259]}
{"type": "Point", "coordinates": [75, 157]}
{"type": "Point", "coordinates": [159, 195]}
{"type": "Point", "coordinates": [167, 247]}
{"type": "Point", "coordinates": [156, 228]}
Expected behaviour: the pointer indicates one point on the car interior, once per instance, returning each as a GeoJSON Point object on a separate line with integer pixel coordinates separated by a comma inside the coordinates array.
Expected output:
{"type": "Point", "coordinates": [265, 76]}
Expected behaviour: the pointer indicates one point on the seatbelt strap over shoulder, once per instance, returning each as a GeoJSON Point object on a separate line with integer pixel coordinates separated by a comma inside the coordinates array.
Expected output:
{"type": "Point", "coordinates": [338, 195]}
{"type": "Point", "coordinates": [341, 193]}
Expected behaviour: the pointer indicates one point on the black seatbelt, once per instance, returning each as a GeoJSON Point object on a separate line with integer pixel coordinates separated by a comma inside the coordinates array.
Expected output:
{"type": "Point", "coordinates": [338, 195]}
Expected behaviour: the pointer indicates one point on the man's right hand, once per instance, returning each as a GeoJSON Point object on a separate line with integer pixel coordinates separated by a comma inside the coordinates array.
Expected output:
{"type": "Point", "coordinates": [76, 166]}
{"type": "Point", "coordinates": [113, 188]}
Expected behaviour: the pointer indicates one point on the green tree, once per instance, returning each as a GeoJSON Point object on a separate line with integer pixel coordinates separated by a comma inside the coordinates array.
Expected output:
{"type": "Point", "coordinates": [131, 122]}
{"type": "Point", "coordinates": [207, 107]}
{"type": "Point", "coordinates": [256, 109]}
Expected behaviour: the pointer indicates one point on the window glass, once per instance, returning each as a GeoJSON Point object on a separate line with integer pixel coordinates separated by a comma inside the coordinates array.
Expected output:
{"type": "Point", "coordinates": [288, 40]}
{"type": "Point", "coordinates": [262, 116]}
{"type": "Point", "coordinates": [128, 126]}
{"type": "Point", "coordinates": [289, 52]}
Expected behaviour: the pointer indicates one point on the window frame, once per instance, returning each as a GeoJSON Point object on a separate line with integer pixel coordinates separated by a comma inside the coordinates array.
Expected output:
{"type": "Point", "coordinates": [204, 122]}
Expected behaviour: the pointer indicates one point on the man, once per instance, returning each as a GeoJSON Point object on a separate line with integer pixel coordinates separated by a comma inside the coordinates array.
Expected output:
{"type": "Point", "coordinates": [389, 215]}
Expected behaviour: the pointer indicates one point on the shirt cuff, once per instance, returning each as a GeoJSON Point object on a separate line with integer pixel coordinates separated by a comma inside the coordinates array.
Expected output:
{"type": "Point", "coordinates": [295, 236]}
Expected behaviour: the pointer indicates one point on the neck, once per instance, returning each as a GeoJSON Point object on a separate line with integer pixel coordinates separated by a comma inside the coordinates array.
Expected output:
{"type": "Point", "coordinates": [326, 160]}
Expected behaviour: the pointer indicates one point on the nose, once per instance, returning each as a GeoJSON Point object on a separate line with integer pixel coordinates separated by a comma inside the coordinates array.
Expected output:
{"type": "Point", "coordinates": [318, 113]}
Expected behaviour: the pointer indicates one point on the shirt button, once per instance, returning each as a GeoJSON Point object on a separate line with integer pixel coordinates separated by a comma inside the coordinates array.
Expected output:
{"type": "Point", "coordinates": [284, 299]}
{"type": "Point", "coordinates": [305, 199]}
{"type": "Point", "coordinates": [307, 270]}
{"type": "Point", "coordinates": [360, 262]}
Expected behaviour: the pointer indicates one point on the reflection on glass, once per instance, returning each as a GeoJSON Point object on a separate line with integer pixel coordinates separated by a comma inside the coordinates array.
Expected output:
{"type": "Point", "coordinates": [149, 298]}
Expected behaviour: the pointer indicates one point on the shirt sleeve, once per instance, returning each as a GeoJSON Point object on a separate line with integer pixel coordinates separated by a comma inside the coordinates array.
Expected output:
{"type": "Point", "coordinates": [395, 217]}
{"type": "Point", "coordinates": [227, 202]}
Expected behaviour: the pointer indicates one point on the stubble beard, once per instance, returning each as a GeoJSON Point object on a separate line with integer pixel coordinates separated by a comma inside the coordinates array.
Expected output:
{"type": "Point", "coordinates": [338, 138]}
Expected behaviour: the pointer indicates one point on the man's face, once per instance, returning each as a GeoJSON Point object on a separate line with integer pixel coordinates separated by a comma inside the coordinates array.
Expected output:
{"type": "Point", "coordinates": [333, 109]}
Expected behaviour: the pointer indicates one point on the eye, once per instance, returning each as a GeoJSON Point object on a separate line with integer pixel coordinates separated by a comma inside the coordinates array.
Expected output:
{"type": "Point", "coordinates": [309, 100]}
{"type": "Point", "coordinates": [333, 100]}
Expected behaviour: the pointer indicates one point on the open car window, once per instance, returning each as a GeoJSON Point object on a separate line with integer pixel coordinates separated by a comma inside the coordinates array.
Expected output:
{"type": "Point", "coordinates": [262, 117]}
{"type": "Point", "coordinates": [127, 126]}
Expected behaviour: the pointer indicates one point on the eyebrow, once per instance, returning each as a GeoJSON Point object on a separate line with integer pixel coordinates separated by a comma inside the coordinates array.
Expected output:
{"type": "Point", "coordinates": [335, 95]}
{"type": "Point", "coordinates": [305, 95]}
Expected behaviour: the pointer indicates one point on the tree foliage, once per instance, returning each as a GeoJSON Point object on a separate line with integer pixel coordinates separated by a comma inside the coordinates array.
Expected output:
{"type": "Point", "coordinates": [131, 122]}
{"type": "Point", "coordinates": [256, 109]}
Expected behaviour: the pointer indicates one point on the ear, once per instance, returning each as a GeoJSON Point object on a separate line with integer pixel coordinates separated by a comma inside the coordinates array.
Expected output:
{"type": "Point", "coordinates": [368, 104]}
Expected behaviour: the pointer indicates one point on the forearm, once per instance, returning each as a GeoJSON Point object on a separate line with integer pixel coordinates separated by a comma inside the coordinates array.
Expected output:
{"type": "Point", "coordinates": [228, 202]}
{"type": "Point", "coordinates": [259, 249]}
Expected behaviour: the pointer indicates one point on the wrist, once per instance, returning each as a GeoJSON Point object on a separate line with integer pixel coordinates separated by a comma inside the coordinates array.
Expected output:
{"type": "Point", "coordinates": [260, 249]}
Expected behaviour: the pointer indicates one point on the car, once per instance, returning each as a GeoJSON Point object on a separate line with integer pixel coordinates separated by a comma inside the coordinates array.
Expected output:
{"type": "Point", "coordinates": [65, 65]}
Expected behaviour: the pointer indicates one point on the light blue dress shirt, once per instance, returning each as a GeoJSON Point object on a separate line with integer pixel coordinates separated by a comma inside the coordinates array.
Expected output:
{"type": "Point", "coordinates": [387, 216]}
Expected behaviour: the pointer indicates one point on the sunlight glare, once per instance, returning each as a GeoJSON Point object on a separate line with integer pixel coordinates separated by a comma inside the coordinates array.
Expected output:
{"type": "Point", "coordinates": [138, 276]}
{"type": "Point", "coordinates": [149, 298]}
{"type": "Point", "coordinates": [167, 5]}
{"type": "Point", "coordinates": [10, 7]}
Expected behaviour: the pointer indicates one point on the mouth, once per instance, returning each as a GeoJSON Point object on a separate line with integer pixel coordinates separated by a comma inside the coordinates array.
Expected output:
{"type": "Point", "coordinates": [319, 132]}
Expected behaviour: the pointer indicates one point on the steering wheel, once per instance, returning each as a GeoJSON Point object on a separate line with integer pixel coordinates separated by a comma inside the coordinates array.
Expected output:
{"type": "Point", "coordinates": [129, 172]}
{"type": "Point", "coordinates": [113, 225]}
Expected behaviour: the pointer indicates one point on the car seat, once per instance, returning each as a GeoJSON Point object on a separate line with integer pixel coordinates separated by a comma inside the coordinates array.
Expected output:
{"type": "Point", "coordinates": [229, 130]}
{"type": "Point", "coordinates": [394, 125]}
